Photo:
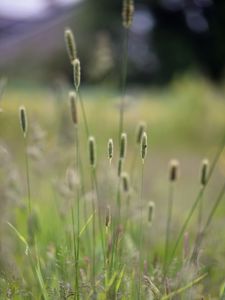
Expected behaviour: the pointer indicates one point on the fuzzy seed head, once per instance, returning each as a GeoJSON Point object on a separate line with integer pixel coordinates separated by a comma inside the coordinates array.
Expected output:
{"type": "Point", "coordinates": [73, 107]}
{"type": "Point", "coordinates": [23, 120]}
{"type": "Point", "coordinates": [123, 145]}
{"type": "Point", "coordinates": [92, 151]}
{"type": "Point", "coordinates": [127, 13]}
{"type": "Point", "coordinates": [70, 44]}
{"type": "Point", "coordinates": [76, 73]}
{"type": "Point", "coordinates": [141, 128]}
{"type": "Point", "coordinates": [125, 182]}
{"type": "Point", "coordinates": [173, 170]}
{"type": "Point", "coordinates": [110, 149]}
{"type": "Point", "coordinates": [108, 217]}
{"type": "Point", "coordinates": [144, 145]}
{"type": "Point", "coordinates": [151, 211]}
{"type": "Point", "coordinates": [120, 167]}
{"type": "Point", "coordinates": [204, 172]}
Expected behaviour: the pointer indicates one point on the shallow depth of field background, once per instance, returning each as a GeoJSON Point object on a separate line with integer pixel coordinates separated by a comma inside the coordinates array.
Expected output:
{"type": "Point", "coordinates": [175, 83]}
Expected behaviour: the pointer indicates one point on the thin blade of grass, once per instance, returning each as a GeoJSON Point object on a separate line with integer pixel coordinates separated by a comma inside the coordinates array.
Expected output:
{"type": "Point", "coordinates": [184, 288]}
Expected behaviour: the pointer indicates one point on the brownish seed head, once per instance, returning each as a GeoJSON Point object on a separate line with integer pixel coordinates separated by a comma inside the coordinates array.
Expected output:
{"type": "Point", "coordinates": [140, 129]}
{"type": "Point", "coordinates": [127, 13]}
{"type": "Point", "coordinates": [151, 211]}
{"type": "Point", "coordinates": [110, 149]}
{"type": "Point", "coordinates": [76, 73]}
{"type": "Point", "coordinates": [70, 44]}
{"type": "Point", "coordinates": [23, 120]}
{"type": "Point", "coordinates": [123, 145]}
{"type": "Point", "coordinates": [144, 145]}
{"type": "Point", "coordinates": [120, 167]}
{"type": "Point", "coordinates": [73, 107]}
{"type": "Point", "coordinates": [125, 182]}
{"type": "Point", "coordinates": [204, 171]}
{"type": "Point", "coordinates": [92, 151]}
{"type": "Point", "coordinates": [173, 170]}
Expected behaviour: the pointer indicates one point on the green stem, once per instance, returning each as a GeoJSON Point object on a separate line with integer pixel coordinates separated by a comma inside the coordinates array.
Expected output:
{"type": "Point", "coordinates": [201, 235]}
{"type": "Point", "coordinates": [198, 198]}
{"type": "Point", "coordinates": [83, 113]}
{"type": "Point", "coordinates": [123, 81]}
{"type": "Point", "coordinates": [93, 231]}
{"type": "Point", "coordinates": [27, 176]}
{"type": "Point", "coordinates": [141, 231]}
{"type": "Point", "coordinates": [168, 224]}
{"type": "Point", "coordinates": [78, 215]}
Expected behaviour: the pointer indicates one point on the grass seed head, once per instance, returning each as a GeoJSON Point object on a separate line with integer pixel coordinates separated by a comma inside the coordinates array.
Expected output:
{"type": "Point", "coordinates": [70, 44]}
{"type": "Point", "coordinates": [144, 145]}
{"type": "Point", "coordinates": [110, 149]}
{"type": "Point", "coordinates": [23, 120]}
{"type": "Point", "coordinates": [151, 211]}
{"type": "Point", "coordinates": [92, 151]}
{"type": "Point", "coordinates": [76, 73]}
{"type": "Point", "coordinates": [73, 107]}
{"type": "Point", "coordinates": [173, 170]}
{"type": "Point", "coordinates": [120, 167]}
{"type": "Point", "coordinates": [125, 182]}
{"type": "Point", "coordinates": [141, 128]}
{"type": "Point", "coordinates": [204, 171]}
{"type": "Point", "coordinates": [127, 13]}
{"type": "Point", "coordinates": [108, 217]}
{"type": "Point", "coordinates": [123, 145]}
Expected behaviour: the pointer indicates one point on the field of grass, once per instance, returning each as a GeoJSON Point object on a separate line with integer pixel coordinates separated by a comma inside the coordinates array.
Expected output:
{"type": "Point", "coordinates": [66, 247]}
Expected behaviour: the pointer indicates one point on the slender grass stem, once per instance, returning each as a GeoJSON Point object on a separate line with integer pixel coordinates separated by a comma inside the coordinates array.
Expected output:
{"type": "Point", "coordinates": [74, 249]}
{"type": "Point", "coordinates": [83, 113]}
{"type": "Point", "coordinates": [168, 223]}
{"type": "Point", "coordinates": [202, 233]}
{"type": "Point", "coordinates": [93, 233]}
{"type": "Point", "coordinates": [99, 213]}
{"type": "Point", "coordinates": [27, 176]}
{"type": "Point", "coordinates": [78, 215]}
{"type": "Point", "coordinates": [123, 80]}
{"type": "Point", "coordinates": [141, 237]}
{"type": "Point", "coordinates": [195, 204]}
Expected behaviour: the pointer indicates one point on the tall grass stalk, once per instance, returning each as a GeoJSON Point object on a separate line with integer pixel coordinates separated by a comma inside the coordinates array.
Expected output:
{"type": "Point", "coordinates": [203, 231]}
{"type": "Point", "coordinates": [123, 80]}
{"type": "Point", "coordinates": [143, 152]}
{"type": "Point", "coordinates": [196, 202]}
{"type": "Point", "coordinates": [168, 222]}
{"type": "Point", "coordinates": [173, 175]}
{"type": "Point", "coordinates": [24, 128]}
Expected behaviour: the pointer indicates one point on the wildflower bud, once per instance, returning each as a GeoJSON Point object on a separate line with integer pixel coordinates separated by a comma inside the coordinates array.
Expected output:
{"type": "Point", "coordinates": [73, 107]}
{"type": "Point", "coordinates": [23, 120]}
{"type": "Point", "coordinates": [92, 151]}
{"type": "Point", "coordinates": [127, 13]}
{"type": "Point", "coordinates": [110, 149]}
{"type": "Point", "coordinates": [123, 145]}
{"type": "Point", "coordinates": [144, 144]}
{"type": "Point", "coordinates": [173, 172]}
{"type": "Point", "coordinates": [125, 182]}
{"type": "Point", "coordinates": [204, 172]}
{"type": "Point", "coordinates": [151, 211]}
{"type": "Point", "coordinates": [140, 130]}
{"type": "Point", "coordinates": [76, 73]}
{"type": "Point", "coordinates": [70, 44]}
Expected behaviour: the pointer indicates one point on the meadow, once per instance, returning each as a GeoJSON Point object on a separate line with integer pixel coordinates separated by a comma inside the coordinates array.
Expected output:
{"type": "Point", "coordinates": [185, 126]}
{"type": "Point", "coordinates": [110, 196]}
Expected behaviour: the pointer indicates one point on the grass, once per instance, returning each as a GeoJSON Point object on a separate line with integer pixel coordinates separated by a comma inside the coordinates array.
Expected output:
{"type": "Point", "coordinates": [51, 196]}
{"type": "Point", "coordinates": [89, 236]}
